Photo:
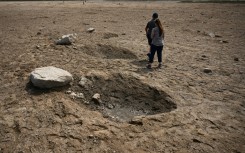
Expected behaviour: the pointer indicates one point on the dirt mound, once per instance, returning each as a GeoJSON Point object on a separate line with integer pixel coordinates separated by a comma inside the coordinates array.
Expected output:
{"type": "Point", "coordinates": [108, 52]}
{"type": "Point", "coordinates": [123, 97]}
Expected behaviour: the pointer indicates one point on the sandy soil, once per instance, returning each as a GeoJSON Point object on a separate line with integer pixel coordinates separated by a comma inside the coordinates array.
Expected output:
{"type": "Point", "coordinates": [181, 108]}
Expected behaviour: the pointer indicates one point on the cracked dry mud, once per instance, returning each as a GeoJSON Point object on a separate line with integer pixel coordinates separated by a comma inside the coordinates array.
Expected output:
{"type": "Point", "coordinates": [178, 108]}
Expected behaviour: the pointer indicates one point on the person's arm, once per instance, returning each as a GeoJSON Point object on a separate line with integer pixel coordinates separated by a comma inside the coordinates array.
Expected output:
{"type": "Point", "coordinates": [146, 28]}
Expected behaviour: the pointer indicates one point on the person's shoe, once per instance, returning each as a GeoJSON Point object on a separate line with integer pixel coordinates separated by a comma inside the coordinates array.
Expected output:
{"type": "Point", "coordinates": [149, 66]}
{"type": "Point", "coordinates": [159, 66]}
{"type": "Point", "coordinates": [148, 56]}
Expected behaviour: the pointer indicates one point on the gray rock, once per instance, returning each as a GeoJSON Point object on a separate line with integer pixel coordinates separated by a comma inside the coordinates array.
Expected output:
{"type": "Point", "coordinates": [77, 95]}
{"type": "Point", "coordinates": [49, 77]}
{"type": "Point", "coordinates": [64, 41]}
{"type": "Point", "coordinates": [67, 39]}
{"type": "Point", "coordinates": [84, 82]}
{"type": "Point", "coordinates": [207, 70]}
{"type": "Point", "coordinates": [212, 35]}
{"type": "Point", "coordinates": [80, 96]}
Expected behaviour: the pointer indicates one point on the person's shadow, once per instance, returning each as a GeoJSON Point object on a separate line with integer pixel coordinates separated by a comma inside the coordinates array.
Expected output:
{"type": "Point", "coordinates": [142, 66]}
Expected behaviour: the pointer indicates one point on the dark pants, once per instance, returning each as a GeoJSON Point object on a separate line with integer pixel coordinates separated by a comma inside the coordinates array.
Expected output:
{"type": "Point", "coordinates": [149, 39]}
{"type": "Point", "coordinates": [159, 53]}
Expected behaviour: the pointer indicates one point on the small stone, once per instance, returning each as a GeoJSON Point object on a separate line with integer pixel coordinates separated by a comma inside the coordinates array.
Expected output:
{"type": "Point", "coordinates": [110, 106]}
{"type": "Point", "coordinates": [86, 102]}
{"type": "Point", "coordinates": [136, 121]}
{"type": "Point", "coordinates": [212, 35]}
{"type": "Point", "coordinates": [38, 33]}
{"type": "Point", "coordinates": [64, 41]}
{"type": "Point", "coordinates": [73, 94]}
{"type": "Point", "coordinates": [80, 95]}
{"type": "Point", "coordinates": [96, 99]}
{"type": "Point", "coordinates": [84, 82]}
{"type": "Point", "coordinates": [236, 59]}
{"type": "Point", "coordinates": [37, 47]}
{"type": "Point", "coordinates": [223, 41]}
{"type": "Point", "coordinates": [90, 30]}
{"type": "Point", "coordinates": [123, 33]}
{"type": "Point", "coordinates": [207, 70]}
{"type": "Point", "coordinates": [68, 92]}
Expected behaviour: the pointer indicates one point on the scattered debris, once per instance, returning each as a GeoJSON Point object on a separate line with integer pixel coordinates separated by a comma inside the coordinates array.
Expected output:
{"type": "Point", "coordinates": [77, 95]}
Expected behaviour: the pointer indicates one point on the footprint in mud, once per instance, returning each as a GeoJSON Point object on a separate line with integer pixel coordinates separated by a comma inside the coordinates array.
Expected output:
{"type": "Point", "coordinates": [108, 52]}
{"type": "Point", "coordinates": [123, 97]}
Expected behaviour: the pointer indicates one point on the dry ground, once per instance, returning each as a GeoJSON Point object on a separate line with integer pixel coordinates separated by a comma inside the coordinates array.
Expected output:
{"type": "Point", "coordinates": [210, 107]}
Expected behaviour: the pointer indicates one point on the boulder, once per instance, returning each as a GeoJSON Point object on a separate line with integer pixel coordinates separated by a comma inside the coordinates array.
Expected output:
{"type": "Point", "coordinates": [49, 77]}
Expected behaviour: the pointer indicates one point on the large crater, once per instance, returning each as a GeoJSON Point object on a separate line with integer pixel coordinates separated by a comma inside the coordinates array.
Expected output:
{"type": "Point", "coordinates": [123, 97]}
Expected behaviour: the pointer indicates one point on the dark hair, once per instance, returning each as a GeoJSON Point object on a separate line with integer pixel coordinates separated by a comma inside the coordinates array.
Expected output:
{"type": "Point", "coordinates": [159, 25]}
{"type": "Point", "coordinates": [154, 15]}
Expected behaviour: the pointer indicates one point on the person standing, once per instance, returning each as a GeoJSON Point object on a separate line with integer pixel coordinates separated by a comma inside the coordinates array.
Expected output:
{"type": "Point", "coordinates": [157, 36]}
{"type": "Point", "coordinates": [148, 29]}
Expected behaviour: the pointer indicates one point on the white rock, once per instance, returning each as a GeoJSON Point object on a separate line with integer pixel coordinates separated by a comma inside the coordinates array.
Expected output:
{"type": "Point", "coordinates": [96, 99]}
{"type": "Point", "coordinates": [90, 29]}
{"type": "Point", "coordinates": [96, 96]}
{"type": "Point", "coordinates": [80, 95]}
{"type": "Point", "coordinates": [49, 77]}
{"type": "Point", "coordinates": [73, 36]}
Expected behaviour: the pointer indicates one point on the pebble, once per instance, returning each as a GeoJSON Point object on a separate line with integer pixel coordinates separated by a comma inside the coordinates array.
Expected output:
{"type": "Point", "coordinates": [236, 59]}
{"type": "Point", "coordinates": [96, 99]}
{"type": "Point", "coordinates": [90, 30]}
{"type": "Point", "coordinates": [207, 70]}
